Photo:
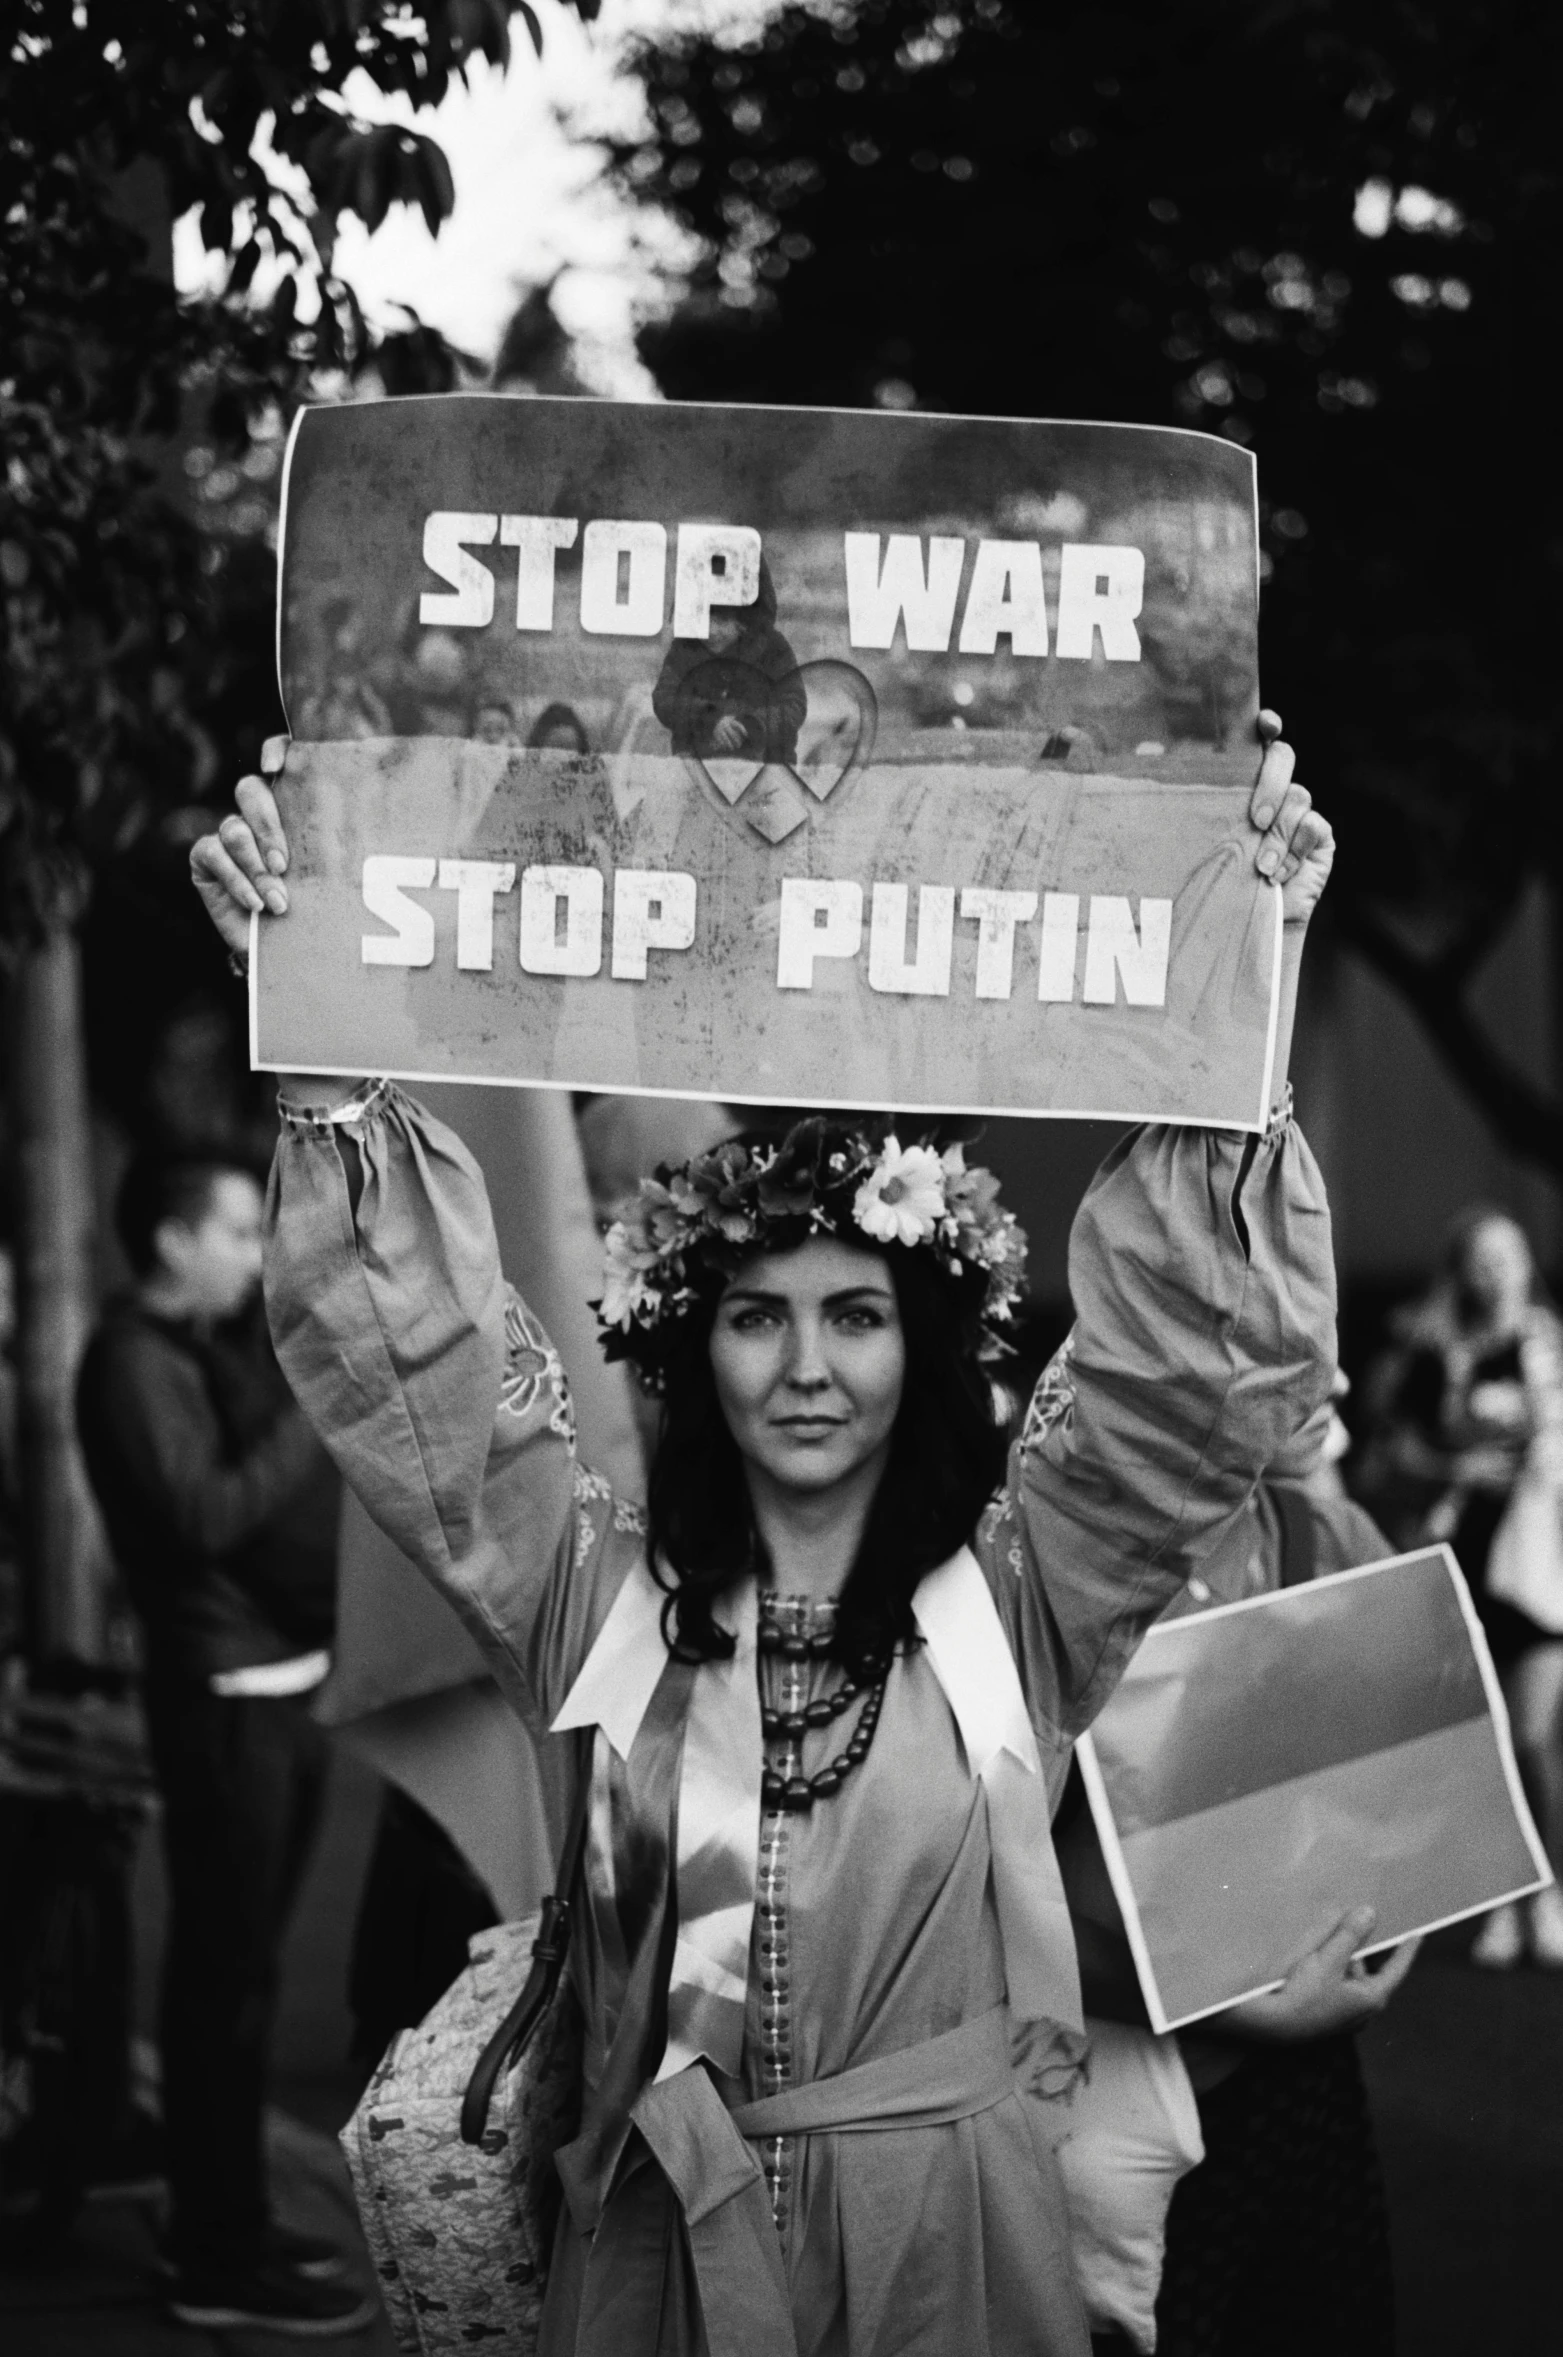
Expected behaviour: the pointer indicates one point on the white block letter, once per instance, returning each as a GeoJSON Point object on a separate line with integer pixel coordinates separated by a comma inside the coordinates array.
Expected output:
{"type": "Point", "coordinates": [1056, 958]}
{"type": "Point", "coordinates": [1100, 589]}
{"type": "Point", "coordinates": [475, 883]}
{"type": "Point", "coordinates": [543, 890]}
{"type": "Point", "coordinates": [1005, 594]}
{"type": "Point", "coordinates": [697, 583]}
{"type": "Point", "coordinates": [538, 539]}
{"type": "Point", "coordinates": [387, 881]}
{"type": "Point", "coordinates": [638, 614]}
{"type": "Point", "coordinates": [878, 597]}
{"type": "Point", "coordinates": [653, 908]}
{"type": "Point", "coordinates": [1113, 948]}
{"type": "Point", "coordinates": [997, 915]}
{"type": "Point", "coordinates": [445, 538]}
{"type": "Point", "coordinates": [820, 918]}
{"type": "Point", "coordinates": [889, 968]}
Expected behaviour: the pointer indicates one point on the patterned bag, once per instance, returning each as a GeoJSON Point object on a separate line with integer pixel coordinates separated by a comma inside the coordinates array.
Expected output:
{"type": "Point", "coordinates": [453, 2165]}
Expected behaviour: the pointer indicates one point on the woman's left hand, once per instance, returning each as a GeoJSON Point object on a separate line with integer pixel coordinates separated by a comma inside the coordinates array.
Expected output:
{"type": "Point", "coordinates": [1330, 1990]}
{"type": "Point", "coordinates": [1296, 847]}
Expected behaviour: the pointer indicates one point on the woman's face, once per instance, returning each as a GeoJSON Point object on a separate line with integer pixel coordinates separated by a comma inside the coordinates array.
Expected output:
{"type": "Point", "coordinates": [809, 1359]}
{"type": "Point", "coordinates": [1497, 1268]}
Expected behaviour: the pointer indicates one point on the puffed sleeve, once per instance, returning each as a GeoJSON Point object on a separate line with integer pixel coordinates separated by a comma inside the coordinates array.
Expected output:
{"type": "Point", "coordinates": [1203, 1283]}
{"type": "Point", "coordinates": [437, 1392]}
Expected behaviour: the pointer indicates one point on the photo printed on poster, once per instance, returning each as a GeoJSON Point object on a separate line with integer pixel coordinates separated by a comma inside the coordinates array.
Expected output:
{"type": "Point", "coordinates": [772, 755]}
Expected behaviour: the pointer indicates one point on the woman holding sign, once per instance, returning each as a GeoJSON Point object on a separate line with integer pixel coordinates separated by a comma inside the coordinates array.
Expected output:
{"type": "Point", "coordinates": [826, 1964]}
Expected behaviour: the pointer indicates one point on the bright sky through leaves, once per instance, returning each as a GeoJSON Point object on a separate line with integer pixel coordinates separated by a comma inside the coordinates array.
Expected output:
{"type": "Point", "coordinates": [526, 206]}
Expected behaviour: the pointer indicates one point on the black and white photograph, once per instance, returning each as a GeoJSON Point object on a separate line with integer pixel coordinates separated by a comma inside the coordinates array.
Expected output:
{"type": "Point", "coordinates": [781, 1178]}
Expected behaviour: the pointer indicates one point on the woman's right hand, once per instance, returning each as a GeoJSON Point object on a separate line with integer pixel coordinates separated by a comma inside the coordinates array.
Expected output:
{"type": "Point", "coordinates": [1330, 1990]}
{"type": "Point", "coordinates": [238, 870]}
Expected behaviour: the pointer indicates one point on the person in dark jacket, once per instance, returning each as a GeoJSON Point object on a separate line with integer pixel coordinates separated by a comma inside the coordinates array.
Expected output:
{"type": "Point", "coordinates": [221, 1508]}
{"type": "Point", "coordinates": [1278, 2239]}
{"type": "Point", "coordinates": [736, 694]}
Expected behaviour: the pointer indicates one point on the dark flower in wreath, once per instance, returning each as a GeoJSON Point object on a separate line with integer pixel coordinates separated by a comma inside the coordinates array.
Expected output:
{"type": "Point", "coordinates": [788, 1189]}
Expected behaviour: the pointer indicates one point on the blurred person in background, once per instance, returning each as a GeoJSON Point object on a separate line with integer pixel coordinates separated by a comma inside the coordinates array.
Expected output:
{"type": "Point", "coordinates": [222, 1511]}
{"type": "Point", "coordinates": [434, 693]}
{"type": "Point", "coordinates": [1467, 1445]}
{"type": "Point", "coordinates": [346, 702]}
{"type": "Point", "coordinates": [558, 729]}
{"type": "Point", "coordinates": [495, 723]}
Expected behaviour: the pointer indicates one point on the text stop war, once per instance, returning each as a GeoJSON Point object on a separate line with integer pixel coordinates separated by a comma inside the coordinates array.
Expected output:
{"type": "Point", "coordinates": [566, 930]}
{"type": "Point", "coordinates": [906, 582]}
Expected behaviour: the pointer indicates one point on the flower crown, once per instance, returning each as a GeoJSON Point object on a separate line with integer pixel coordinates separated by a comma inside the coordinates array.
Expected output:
{"type": "Point", "coordinates": [690, 1228]}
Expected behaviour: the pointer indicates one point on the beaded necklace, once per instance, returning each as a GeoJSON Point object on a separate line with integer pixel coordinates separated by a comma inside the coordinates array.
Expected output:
{"type": "Point", "coordinates": [799, 1793]}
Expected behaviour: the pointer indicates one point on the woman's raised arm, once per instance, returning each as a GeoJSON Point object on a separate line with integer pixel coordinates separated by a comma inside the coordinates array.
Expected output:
{"type": "Point", "coordinates": [437, 1392]}
{"type": "Point", "coordinates": [435, 1389]}
{"type": "Point", "coordinates": [1204, 1339]}
{"type": "Point", "coordinates": [1203, 1282]}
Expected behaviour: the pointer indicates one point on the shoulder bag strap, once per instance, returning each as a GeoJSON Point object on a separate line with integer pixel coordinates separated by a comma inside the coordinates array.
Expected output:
{"type": "Point", "coordinates": [549, 1951]}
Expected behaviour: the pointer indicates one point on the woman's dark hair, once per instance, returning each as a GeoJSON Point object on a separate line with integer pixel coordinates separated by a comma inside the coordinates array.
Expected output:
{"type": "Point", "coordinates": [946, 1459]}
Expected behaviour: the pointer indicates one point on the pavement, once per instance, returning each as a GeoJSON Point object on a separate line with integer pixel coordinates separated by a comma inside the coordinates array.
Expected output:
{"type": "Point", "coordinates": [1465, 2073]}
{"type": "Point", "coordinates": [102, 2296]}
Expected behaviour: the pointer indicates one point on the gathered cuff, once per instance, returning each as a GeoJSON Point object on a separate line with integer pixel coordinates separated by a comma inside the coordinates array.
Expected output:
{"type": "Point", "coordinates": [1281, 1118]}
{"type": "Point", "coordinates": [321, 1121]}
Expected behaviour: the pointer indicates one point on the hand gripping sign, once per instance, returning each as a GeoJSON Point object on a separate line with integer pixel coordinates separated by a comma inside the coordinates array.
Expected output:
{"type": "Point", "coordinates": [792, 755]}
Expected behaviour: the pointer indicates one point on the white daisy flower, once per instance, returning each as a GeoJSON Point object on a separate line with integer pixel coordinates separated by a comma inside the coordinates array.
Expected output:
{"type": "Point", "coordinates": [902, 1199]}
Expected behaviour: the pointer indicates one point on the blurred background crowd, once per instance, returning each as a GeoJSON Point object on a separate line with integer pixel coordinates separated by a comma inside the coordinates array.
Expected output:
{"type": "Point", "coordinates": [1329, 233]}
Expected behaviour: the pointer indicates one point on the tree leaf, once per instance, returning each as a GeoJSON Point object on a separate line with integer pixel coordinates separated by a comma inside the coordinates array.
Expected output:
{"type": "Point", "coordinates": [436, 188]}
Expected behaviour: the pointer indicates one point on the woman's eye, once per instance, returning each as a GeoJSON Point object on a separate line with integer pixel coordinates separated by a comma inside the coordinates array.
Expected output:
{"type": "Point", "coordinates": [861, 1321]}
{"type": "Point", "coordinates": [749, 1321]}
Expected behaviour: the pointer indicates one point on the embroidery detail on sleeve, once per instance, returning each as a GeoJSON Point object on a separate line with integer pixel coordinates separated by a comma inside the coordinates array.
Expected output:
{"type": "Point", "coordinates": [994, 1515]}
{"type": "Point", "coordinates": [531, 1363]}
{"type": "Point", "coordinates": [589, 1489]}
{"type": "Point", "coordinates": [629, 1518]}
{"type": "Point", "coordinates": [1053, 1401]}
{"type": "Point", "coordinates": [997, 1531]}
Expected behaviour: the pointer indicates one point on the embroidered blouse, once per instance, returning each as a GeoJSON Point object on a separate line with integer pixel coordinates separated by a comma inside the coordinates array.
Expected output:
{"type": "Point", "coordinates": [802, 2121]}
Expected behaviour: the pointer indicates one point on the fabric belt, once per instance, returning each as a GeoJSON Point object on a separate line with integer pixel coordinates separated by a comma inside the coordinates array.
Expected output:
{"type": "Point", "coordinates": [947, 2078]}
{"type": "Point", "coordinates": [703, 2149]}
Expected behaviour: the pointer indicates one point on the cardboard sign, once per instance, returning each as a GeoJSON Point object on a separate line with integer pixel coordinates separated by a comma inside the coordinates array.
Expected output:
{"type": "Point", "coordinates": [1267, 1765]}
{"type": "Point", "coordinates": [820, 756]}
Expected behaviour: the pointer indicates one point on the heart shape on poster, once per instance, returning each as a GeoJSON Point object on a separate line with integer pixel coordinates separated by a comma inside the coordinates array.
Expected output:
{"type": "Point", "coordinates": [835, 741]}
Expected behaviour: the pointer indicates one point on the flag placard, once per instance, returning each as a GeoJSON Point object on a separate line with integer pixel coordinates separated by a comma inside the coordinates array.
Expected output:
{"type": "Point", "coordinates": [1267, 1765]}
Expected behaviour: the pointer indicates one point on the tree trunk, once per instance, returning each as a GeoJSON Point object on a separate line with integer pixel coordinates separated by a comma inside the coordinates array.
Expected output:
{"type": "Point", "coordinates": [62, 1588]}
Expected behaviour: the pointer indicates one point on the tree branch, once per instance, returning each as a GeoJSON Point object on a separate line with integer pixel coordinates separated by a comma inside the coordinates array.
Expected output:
{"type": "Point", "coordinates": [1527, 1122]}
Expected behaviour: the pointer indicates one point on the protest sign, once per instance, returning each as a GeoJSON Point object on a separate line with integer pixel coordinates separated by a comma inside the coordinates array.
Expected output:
{"type": "Point", "coordinates": [1267, 1765]}
{"type": "Point", "coordinates": [772, 755]}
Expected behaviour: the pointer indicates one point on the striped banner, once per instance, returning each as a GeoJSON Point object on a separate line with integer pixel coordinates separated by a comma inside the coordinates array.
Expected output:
{"type": "Point", "coordinates": [1267, 1765]}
